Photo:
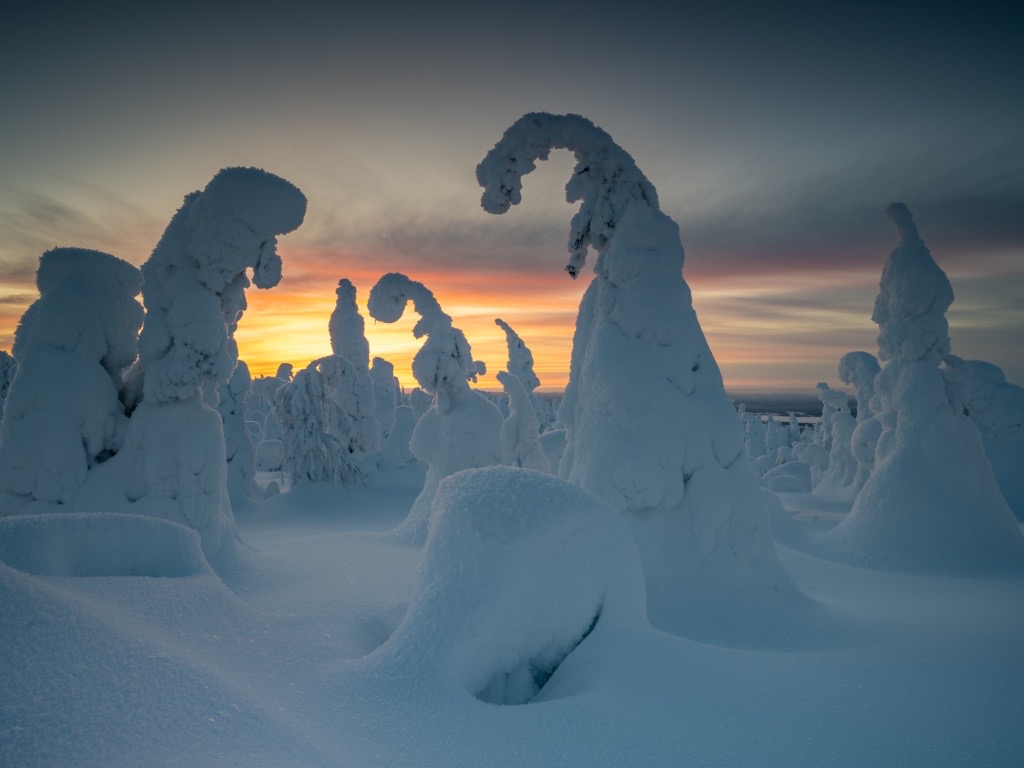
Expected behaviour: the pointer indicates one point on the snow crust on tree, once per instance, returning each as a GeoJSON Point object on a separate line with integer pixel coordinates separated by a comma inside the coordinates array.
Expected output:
{"type": "Point", "coordinates": [318, 436]}
{"type": "Point", "coordinates": [462, 429]}
{"type": "Point", "coordinates": [519, 569]}
{"type": "Point", "coordinates": [859, 370]}
{"type": "Point", "coordinates": [520, 365]}
{"type": "Point", "coordinates": [520, 434]}
{"type": "Point", "coordinates": [996, 407]}
{"type": "Point", "coordinates": [385, 394]}
{"type": "Point", "coordinates": [194, 292]}
{"type": "Point", "coordinates": [932, 501]}
{"type": "Point", "coordinates": [678, 469]}
{"type": "Point", "coordinates": [63, 414]}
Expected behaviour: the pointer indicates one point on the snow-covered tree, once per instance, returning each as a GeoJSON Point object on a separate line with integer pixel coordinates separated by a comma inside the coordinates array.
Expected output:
{"type": "Point", "coordinates": [996, 407]}
{"type": "Point", "coordinates": [520, 434]}
{"type": "Point", "coordinates": [419, 401]}
{"type": "Point", "coordinates": [348, 340]}
{"type": "Point", "coordinates": [194, 292]}
{"type": "Point", "coordinates": [385, 393]}
{"type": "Point", "coordinates": [462, 428]}
{"type": "Point", "coordinates": [859, 369]}
{"type": "Point", "coordinates": [520, 365]}
{"type": "Point", "coordinates": [839, 476]}
{"type": "Point", "coordinates": [62, 413]}
{"type": "Point", "coordinates": [650, 428]}
{"type": "Point", "coordinates": [7, 369]}
{"type": "Point", "coordinates": [317, 435]}
{"type": "Point", "coordinates": [932, 500]}
{"type": "Point", "coordinates": [238, 446]}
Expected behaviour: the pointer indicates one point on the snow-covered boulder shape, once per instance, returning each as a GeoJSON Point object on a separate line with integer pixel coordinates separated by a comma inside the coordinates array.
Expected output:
{"type": "Point", "coordinates": [859, 369]}
{"type": "Point", "coordinates": [318, 439]}
{"type": "Point", "coordinates": [238, 447]}
{"type": "Point", "coordinates": [462, 428]}
{"type": "Point", "coordinates": [7, 370]}
{"type": "Point", "coordinates": [520, 365]}
{"type": "Point", "coordinates": [419, 401]}
{"type": "Point", "coordinates": [932, 501]}
{"type": "Point", "coordinates": [348, 340]}
{"type": "Point", "coordinates": [996, 407]}
{"type": "Point", "coordinates": [194, 293]}
{"type": "Point", "coordinates": [519, 569]}
{"type": "Point", "coordinates": [650, 428]}
{"type": "Point", "coordinates": [520, 434]}
{"type": "Point", "coordinates": [385, 394]}
{"type": "Point", "coordinates": [62, 412]}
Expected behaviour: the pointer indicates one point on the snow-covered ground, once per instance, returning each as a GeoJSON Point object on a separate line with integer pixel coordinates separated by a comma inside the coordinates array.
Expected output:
{"type": "Point", "coordinates": [281, 659]}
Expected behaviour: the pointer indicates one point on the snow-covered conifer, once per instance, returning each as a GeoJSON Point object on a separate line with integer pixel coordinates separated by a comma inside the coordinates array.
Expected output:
{"type": "Point", "coordinates": [238, 446]}
{"type": "Point", "coordinates": [932, 500]}
{"type": "Point", "coordinates": [859, 369]}
{"type": "Point", "coordinates": [462, 428]}
{"type": "Point", "coordinates": [348, 340]}
{"type": "Point", "coordinates": [520, 434]}
{"type": "Point", "coordinates": [62, 413]}
{"type": "Point", "coordinates": [419, 401]}
{"type": "Point", "coordinates": [194, 293]}
{"type": "Point", "coordinates": [520, 365]}
{"type": "Point", "coordinates": [385, 394]}
{"type": "Point", "coordinates": [7, 370]}
{"type": "Point", "coordinates": [650, 428]}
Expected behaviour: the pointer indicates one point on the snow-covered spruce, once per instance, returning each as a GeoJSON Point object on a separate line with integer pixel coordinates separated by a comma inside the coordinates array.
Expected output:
{"type": "Point", "coordinates": [838, 478]}
{"type": "Point", "coordinates": [859, 370]}
{"type": "Point", "coordinates": [7, 370]}
{"type": "Point", "coordinates": [348, 340]}
{"type": "Point", "coordinates": [520, 434]}
{"type": "Point", "coordinates": [520, 365]}
{"type": "Point", "coordinates": [419, 401]}
{"type": "Point", "coordinates": [650, 428]}
{"type": "Point", "coordinates": [932, 501]}
{"type": "Point", "coordinates": [238, 446]}
{"type": "Point", "coordinates": [462, 428]}
{"type": "Point", "coordinates": [194, 293]}
{"type": "Point", "coordinates": [519, 568]}
{"type": "Point", "coordinates": [385, 394]}
{"type": "Point", "coordinates": [996, 407]}
{"type": "Point", "coordinates": [62, 412]}
{"type": "Point", "coordinates": [318, 439]}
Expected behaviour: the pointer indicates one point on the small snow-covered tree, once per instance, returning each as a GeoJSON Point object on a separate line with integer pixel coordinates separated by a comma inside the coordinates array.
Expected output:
{"type": "Point", "coordinates": [62, 413]}
{"type": "Point", "coordinates": [650, 428]}
{"type": "Point", "coordinates": [348, 340]}
{"type": "Point", "coordinates": [520, 365]}
{"type": "Point", "coordinates": [996, 407]}
{"type": "Point", "coordinates": [932, 500]}
{"type": "Point", "coordinates": [194, 292]}
{"type": "Point", "coordinates": [419, 401]}
{"type": "Point", "coordinates": [462, 428]}
{"type": "Point", "coordinates": [385, 393]}
{"type": "Point", "coordinates": [839, 476]}
{"type": "Point", "coordinates": [859, 370]}
{"type": "Point", "coordinates": [317, 435]}
{"type": "Point", "coordinates": [520, 434]}
{"type": "Point", "coordinates": [238, 446]}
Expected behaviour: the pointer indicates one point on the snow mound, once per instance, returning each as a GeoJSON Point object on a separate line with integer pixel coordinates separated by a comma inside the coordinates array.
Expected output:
{"type": "Point", "coordinates": [519, 568]}
{"type": "Point", "coordinates": [100, 544]}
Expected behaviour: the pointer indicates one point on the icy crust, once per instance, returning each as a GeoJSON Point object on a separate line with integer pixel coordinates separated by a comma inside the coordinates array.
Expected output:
{"type": "Point", "coordinates": [932, 501]}
{"type": "Point", "coordinates": [519, 568]}
{"type": "Point", "coordinates": [520, 434]}
{"type": "Point", "coordinates": [996, 407]}
{"type": "Point", "coordinates": [100, 544]}
{"type": "Point", "coordinates": [196, 277]}
{"type": "Point", "coordinates": [83, 330]}
{"type": "Point", "coordinates": [606, 179]}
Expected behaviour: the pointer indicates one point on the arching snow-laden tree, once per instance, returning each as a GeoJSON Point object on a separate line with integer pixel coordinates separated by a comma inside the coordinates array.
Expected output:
{"type": "Point", "coordinates": [650, 428]}
{"type": "Point", "coordinates": [194, 292]}
{"type": "Point", "coordinates": [462, 428]}
{"type": "Point", "coordinates": [73, 345]}
{"type": "Point", "coordinates": [348, 340]}
{"type": "Point", "coordinates": [932, 500]}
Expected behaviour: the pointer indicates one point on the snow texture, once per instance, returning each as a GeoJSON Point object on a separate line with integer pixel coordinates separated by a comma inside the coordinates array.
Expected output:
{"type": "Point", "coordinates": [520, 434]}
{"type": "Point", "coordinates": [194, 292]}
{"type": "Point", "coordinates": [932, 502]}
{"type": "Point", "coordinates": [519, 569]}
{"type": "Point", "coordinates": [63, 414]}
{"type": "Point", "coordinates": [650, 428]}
{"type": "Point", "coordinates": [462, 428]}
{"type": "Point", "coordinates": [996, 407]}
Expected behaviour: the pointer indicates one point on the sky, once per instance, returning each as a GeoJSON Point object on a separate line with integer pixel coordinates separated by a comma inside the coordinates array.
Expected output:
{"type": "Point", "coordinates": [775, 134]}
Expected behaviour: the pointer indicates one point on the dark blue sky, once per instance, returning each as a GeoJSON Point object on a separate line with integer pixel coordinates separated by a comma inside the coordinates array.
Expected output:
{"type": "Point", "coordinates": [775, 136]}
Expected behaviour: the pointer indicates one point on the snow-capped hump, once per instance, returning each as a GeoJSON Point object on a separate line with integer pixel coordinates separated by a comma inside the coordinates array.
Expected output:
{"type": "Point", "coordinates": [606, 178]}
{"type": "Point", "coordinates": [235, 222]}
{"type": "Point", "coordinates": [60, 266]}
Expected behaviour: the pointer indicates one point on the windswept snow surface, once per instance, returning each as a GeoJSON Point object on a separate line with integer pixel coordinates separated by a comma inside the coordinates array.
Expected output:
{"type": "Point", "coordinates": [284, 658]}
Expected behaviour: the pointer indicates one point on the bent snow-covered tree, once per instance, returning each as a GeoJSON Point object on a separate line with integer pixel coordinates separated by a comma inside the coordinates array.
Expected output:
{"type": "Point", "coordinates": [73, 345]}
{"type": "Point", "coordinates": [650, 428]}
{"type": "Point", "coordinates": [520, 365]}
{"type": "Point", "coordinates": [462, 429]}
{"type": "Point", "coordinates": [932, 501]}
{"type": "Point", "coordinates": [194, 292]}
